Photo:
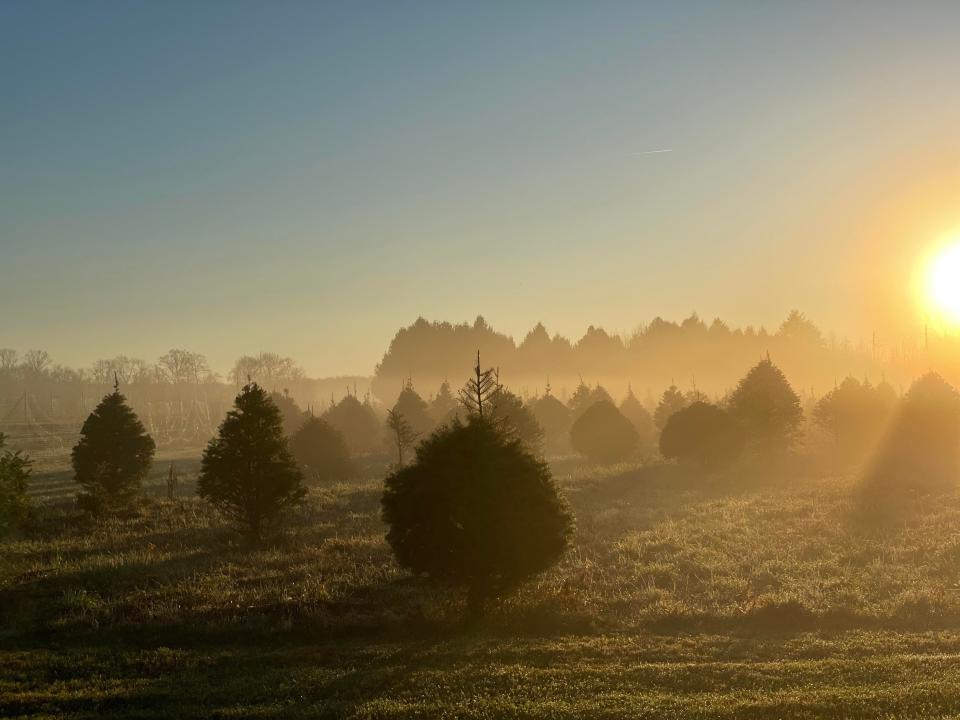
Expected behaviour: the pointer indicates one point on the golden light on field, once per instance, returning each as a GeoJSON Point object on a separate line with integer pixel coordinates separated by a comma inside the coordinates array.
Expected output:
{"type": "Point", "coordinates": [943, 284]}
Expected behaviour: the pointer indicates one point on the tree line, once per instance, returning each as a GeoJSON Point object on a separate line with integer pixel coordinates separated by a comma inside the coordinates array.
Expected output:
{"type": "Point", "coordinates": [476, 505]}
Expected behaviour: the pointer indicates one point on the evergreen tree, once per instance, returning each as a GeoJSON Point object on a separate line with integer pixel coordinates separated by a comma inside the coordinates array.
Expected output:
{"type": "Point", "coordinates": [766, 407]}
{"type": "Point", "coordinates": [921, 453]}
{"type": "Point", "coordinates": [414, 410]}
{"type": "Point", "coordinates": [554, 418]}
{"type": "Point", "coordinates": [293, 417]}
{"type": "Point", "coordinates": [358, 424]}
{"type": "Point", "coordinates": [476, 509]}
{"type": "Point", "coordinates": [321, 451]}
{"type": "Point", "coordinates": [642, 421]}
{"type": "Point", "coordinates": [703, 434]}
{"type": "Point", "coordinates": [443, 406]}
{"type": "Point", "coordinates": [516, 420]}
{"type": "Point", "coordinates": [14, 473]}
{"type": "Point", "coordinates": [581, 399]}
{"type": "Point", "coordinates": [603, 435]}
{"type": "Point", "coordinates": [671, 402]}
{"type": "Point", "coordinates": [854, 414]}
{"type": "Point", "coordinates": [113, 455]}
{"type": "Point", "coordinates": [401, 433]}
{"type": "Point", "coordinates": [247, 471]}
{"type": "Point", "coordinates": [481, 391]}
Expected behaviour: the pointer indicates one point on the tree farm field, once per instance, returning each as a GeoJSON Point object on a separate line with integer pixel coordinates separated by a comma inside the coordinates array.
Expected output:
{"type": "Point", "coordinates": [758, 592]}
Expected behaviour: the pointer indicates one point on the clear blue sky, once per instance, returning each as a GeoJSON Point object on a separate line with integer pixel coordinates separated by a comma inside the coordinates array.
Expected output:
{"type": "Point", "coordinates": [307, 177]}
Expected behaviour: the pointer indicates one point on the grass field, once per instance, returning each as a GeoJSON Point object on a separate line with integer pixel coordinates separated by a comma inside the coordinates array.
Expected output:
{"type": "Point", "coordinates": [761, 594]}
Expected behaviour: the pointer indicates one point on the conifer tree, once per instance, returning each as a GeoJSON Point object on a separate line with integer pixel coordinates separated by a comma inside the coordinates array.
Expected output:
{"type": "Point", "coordinates": [414, 410]}
{"type": "Point", "coordinates": [14, 473]}
{"type": "Point", "coordinates": [603, 435]}
{"type": "Point", "coordinates": [248, 471]}
{"type": "Point", "coordinates": [358, 424]}
{"type": "Point", "coordinates": [480, 392]}
{"type": "Point", "coordinates": [476, 509]}
{"type": "Point", "coordinates": [671, 402]}
{"type": "Point", "coordinates": [636, 413]}
{"type": "Point", "coordinates": [766, 407]}
{"type": "Point", "coordinates": [703, 434]}
{"type": "Point", "coordinates": [444, 405]}
{"type": "Point", "coordinates": [113, 455]}
{"type": "Point", "coordinates": [515, 419]}
{"type": "Point", "coordinates": [554, 417]}
{"type": "Point", "coordinates": [321, 452]}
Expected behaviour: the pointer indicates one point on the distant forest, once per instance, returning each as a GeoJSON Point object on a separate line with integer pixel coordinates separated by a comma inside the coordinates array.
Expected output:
{"type": "Point", "coordinates": [693, 354]}
{"type": "Point", "coordinates": [180, 388]}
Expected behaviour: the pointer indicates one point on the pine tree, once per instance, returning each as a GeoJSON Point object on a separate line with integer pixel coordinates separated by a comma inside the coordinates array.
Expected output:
{"type": "Point", "coordinates": [321, 451]}
{"type": "Point", "coordinates": [358, 424]}
{"type": "Point", "coordinates": [14, 473]}
{"type": "Point", "coordinates": [444, 405]}
{"type": "Point", "coordinates": [766, 407]}
{"type": "Point", "coordinates": [671, 402]}
{"type": "Point", "coordinates": [603, 435]}
{"type": "Point", "coordinates": [248, 471]}
{"type": "Point", "coordinates": [515, 419]}
{"type": "Point", "coordinates": [476, 509]}
{"type": "Point", "coordinates": [642, 421]}
{"type": "Point", "coordinates": [113, 455]}
{"type": "Point", "coordinates": [554, 417]}
{"type": "Point", "coordinates": [480, 392]}
{"type": "Point", "coordinates": [293, 416]}
{"type": "Point", "coordinates": [414, 410]}
{"type": "Point", "coordinates": [702, 434]}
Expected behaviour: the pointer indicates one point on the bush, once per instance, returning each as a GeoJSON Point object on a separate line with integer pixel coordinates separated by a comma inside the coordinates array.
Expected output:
{"type": "Point", "coordinates": [476, 509]}
{"type": "Point", "coordinates": [320, 449]}
{"type": "Point", "coordinates": [767, 408]}
{"type": "Point", "coordinates": [602, 434]}
{"type": "Point", "coordinates": [703, 434]}
{"type": "Point", "coordinates": [247, 471]}
{"type": "Point", "coordinates": [920, 453]}
{"type": "Point", "coordinates": [14, 473]}
{"type": "Point", "coordinates": [112, 457]}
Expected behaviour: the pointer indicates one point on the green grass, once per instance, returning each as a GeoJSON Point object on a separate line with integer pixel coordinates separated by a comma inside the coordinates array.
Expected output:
{"type": "Point", "coordinates": [761, 594]}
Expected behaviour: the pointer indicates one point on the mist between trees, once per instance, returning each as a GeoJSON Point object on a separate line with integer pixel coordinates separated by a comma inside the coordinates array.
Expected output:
{"type": "Point", "coordinates": [182, 399]}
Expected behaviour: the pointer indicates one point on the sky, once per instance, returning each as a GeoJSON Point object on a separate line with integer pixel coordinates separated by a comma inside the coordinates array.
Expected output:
{"type": "Point", "coordinates": [306, 178]}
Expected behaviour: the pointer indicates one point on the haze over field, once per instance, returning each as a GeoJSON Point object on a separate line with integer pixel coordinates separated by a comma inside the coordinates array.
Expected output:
{"type": "Point", "coordinates": [310, 177]}
{"type": "Point", "coordinates": [524, 360]}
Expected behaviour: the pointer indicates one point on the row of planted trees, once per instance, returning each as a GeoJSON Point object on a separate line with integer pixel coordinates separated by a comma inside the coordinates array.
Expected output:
{"type": "Point", "coordinates": [477, 505]}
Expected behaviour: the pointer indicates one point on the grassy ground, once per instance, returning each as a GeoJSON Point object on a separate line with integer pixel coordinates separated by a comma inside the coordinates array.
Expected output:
{"type": "Point", "coordinates": [685, 596]}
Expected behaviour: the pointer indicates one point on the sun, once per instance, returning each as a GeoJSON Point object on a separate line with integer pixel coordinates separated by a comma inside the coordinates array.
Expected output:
{"type": "Point", "coordinates": [943, 283]}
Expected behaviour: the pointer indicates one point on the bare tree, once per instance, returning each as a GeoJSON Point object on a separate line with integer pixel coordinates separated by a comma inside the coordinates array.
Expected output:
{"type": "Point", "coordinates": [8, 359]}
{"type": "Point", "coordinates": [36, 361]}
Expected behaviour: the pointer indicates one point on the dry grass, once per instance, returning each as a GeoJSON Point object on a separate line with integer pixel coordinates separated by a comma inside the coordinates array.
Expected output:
{"type": "Point", "coordinates": [758, 594]}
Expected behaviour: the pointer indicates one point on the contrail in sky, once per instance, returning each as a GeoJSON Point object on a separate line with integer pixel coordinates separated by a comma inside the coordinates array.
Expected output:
{"type": "Point", "coordinates": [654, 152]}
